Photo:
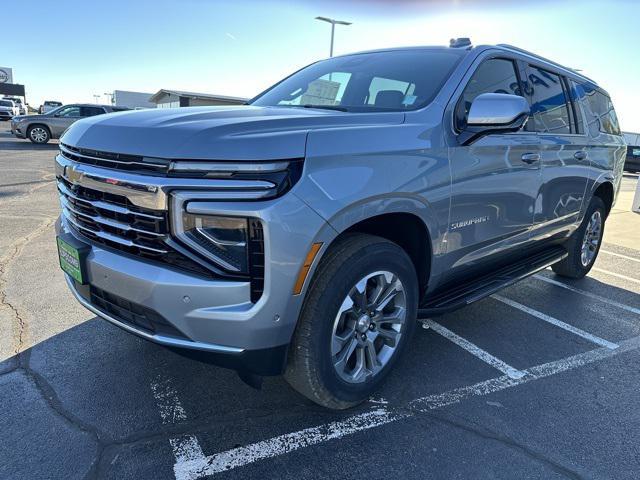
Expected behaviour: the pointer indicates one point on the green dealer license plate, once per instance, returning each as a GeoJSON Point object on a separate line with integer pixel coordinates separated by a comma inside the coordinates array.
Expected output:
{"type": "Point", "coordinates": [72, 255]}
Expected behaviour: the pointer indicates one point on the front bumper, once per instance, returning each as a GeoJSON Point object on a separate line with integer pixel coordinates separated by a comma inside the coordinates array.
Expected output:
{"type": "Point", "coordinates": [17, 130]}
{"type": "Point", "coordinates": [211, 315]}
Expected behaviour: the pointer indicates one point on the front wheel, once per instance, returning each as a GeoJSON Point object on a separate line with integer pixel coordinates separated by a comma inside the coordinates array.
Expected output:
{"type": "Point", "coordinates": [357, 319]}
{"type": "Point", "coordinates": [38, 134]}
{"type": "Point", "coordinates": [584, 244]}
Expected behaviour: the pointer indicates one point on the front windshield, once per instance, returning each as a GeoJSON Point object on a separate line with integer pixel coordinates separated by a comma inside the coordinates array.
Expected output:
{"type": "Point", "coordinates": [396, 80]}
{"type": "Point", "coordinates": [5, 103]}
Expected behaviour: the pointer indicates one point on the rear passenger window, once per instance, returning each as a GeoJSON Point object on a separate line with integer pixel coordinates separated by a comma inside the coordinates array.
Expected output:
{"type": "Point", "coordinates": [549, 109]}
{"type": "Point", "coordinates": [496, 75]}
{"type": "Point", "coordinates": [601, 116]}
{"type": "Point", "coordinates": [91, 111]}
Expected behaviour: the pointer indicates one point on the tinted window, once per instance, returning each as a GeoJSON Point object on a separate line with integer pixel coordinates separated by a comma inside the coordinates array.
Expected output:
{"type": "Point", "coordinates": [496, 75]}
{"type": "Point", "coordinates": [70, 111]}
{"type": "Point", "coordinates": [91, 111]}
{"type": "Point", "coordinates": [379, 81]}
{"type": "Point", "coordinates": [6, 103]}
{"type": "Point", "coordinates": [549, 109]}
{"type": "Point", "coordinates": [601, 116]}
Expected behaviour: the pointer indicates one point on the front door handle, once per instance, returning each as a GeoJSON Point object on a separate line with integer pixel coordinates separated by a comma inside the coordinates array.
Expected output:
{"type": "Point", "coordinates": [580, 155]}
{"type": "Point", "coordinates": [530, 157]}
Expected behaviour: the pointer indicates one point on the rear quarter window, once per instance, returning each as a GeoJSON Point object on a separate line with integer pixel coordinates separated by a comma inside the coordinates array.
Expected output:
{"type": "Point", "coordinates": [598, 108]}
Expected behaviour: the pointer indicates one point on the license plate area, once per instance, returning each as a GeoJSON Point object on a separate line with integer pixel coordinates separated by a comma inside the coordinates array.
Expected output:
{"type": "Point", "coordinates": [72, 255]}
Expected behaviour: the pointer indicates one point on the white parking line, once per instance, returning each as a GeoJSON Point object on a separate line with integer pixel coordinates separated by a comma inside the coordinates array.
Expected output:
{"type": "Point", "coordinates": [617, 275]}
{"type": "Point", "coordinates": [237, 457]}
{"type": "Point", "coordinates": [185, 448]}
{"type": "Point", "coordinates": [492, 385]}
{"type": "Point", "coordinates": [558, 323]}
{"type": "Point", "coordinates": [588, 294]}
{"type": "Point", "coordinates": [171, 410]}
{"type": "Point", "coordinates": [627, 257]}
{"type": "Point", "coordinates": [475, 350]}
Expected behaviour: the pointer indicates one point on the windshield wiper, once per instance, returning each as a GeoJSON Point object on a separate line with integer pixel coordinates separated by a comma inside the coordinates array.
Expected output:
{"type": "Point", "coordinates": [326, 107]}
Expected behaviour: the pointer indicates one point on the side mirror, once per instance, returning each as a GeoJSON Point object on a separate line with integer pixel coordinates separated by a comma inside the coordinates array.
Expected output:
{"type": "Point", "coordinates": [494, 113]}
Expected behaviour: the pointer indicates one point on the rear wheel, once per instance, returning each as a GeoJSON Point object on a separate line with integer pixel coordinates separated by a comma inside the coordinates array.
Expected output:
{"type": "Point", "coordinates": [38, 134]}
{"type": "Point", "coordinates": [356, 321]}
{"type": "Point", "coordinates": [584, 244]}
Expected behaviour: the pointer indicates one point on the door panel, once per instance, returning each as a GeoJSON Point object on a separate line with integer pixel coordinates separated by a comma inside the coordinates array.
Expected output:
{"type": "Point", "coordinates": [493, 193]}
{"type": "Point", "coordinates": [63, 119]}
{"type": "Point", "coordinates": [494, 181]}
{"type": "Point", "coordinates": [564, 154]}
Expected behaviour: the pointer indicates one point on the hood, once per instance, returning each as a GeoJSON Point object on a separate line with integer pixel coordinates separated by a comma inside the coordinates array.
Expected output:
{"type": "Point", "coordinates": [214, 133]}
{"type": "Point", "coordinates": [29, 117]}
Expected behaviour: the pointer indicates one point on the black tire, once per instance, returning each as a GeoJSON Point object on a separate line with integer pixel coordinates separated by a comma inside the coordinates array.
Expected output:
{"type": "Point", "coordinates": [43, 134]}
{"type": "Point", "coordinates": [310, 369]}
{"type": "Point", "coordinates": [573, 266]}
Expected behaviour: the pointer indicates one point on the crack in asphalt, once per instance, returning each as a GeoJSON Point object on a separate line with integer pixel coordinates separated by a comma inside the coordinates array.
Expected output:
{"type": "Point", "coordinates": [17, 248]}
{"type": "Point", "coordinates": [487, 434]}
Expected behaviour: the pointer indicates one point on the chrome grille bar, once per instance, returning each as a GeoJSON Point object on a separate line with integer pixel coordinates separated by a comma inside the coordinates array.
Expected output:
{"type": "Point", "coordinates": [62, 188]}
{"type": "Point", "coordinates": [107, 221]}
{"type": "Point", "coordinates": [107, 236]}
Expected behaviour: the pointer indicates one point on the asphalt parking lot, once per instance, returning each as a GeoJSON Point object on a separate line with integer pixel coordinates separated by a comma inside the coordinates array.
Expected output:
{"type": "Point", "coordinates": [540, 381]}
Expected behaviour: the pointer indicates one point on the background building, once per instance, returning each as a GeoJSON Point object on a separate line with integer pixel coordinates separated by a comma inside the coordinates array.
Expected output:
{"type": "Point", "coordinates": [176, 98]}
{"type": "Point", "coordinates": [124, 98]}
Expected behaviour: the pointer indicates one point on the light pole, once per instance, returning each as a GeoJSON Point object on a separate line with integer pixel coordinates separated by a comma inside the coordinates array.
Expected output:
{"type": "Point", "coordinates": [96, 98]}
{"type": "Point", "coordinates": [110, 95]}
{"type": "Point", "coordinates": [333, 23]}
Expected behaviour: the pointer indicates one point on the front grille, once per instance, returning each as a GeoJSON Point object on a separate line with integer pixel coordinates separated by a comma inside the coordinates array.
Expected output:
{"type": "Point", "coordinates": [119, 161]}
{"type": "Point", "coordinates": [111, 220]}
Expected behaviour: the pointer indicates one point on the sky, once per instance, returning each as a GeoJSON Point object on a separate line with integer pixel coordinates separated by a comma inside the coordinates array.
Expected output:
{"type": "Point", "coordinates": [72, 50]}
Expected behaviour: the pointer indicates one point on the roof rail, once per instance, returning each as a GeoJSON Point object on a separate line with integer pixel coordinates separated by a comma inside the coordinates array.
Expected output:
{"type": "Point", "coordinates": [535, 55]}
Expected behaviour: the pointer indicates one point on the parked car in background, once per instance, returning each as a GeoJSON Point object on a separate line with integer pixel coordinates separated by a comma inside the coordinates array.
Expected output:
{"type": "Point", "coordinates": [21, 107]}
{"type": "Point", "coordinates": [42, 128]}
{"type": "Point", "coordinates": [7, 109]}
{"type": "Point", "coordinates": [304, 232]}
{"type": "Point", "coordinates": [632, 162]}
{"type": "Point", "coordinates": [49, 105]}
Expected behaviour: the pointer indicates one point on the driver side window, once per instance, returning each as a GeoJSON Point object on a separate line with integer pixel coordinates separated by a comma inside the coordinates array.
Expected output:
{"type": "Point", "coordinates": [71, 111]}
{"type": "Point", "coordinates": [496, 75]}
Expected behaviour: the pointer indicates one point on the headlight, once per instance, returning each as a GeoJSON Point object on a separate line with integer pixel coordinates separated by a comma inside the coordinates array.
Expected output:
{"type": "Point", "coordinates": [222, 239]}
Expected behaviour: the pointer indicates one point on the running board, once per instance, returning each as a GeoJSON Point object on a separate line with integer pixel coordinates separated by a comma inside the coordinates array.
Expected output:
{"type": "Point", "coordinates": [485, 285]}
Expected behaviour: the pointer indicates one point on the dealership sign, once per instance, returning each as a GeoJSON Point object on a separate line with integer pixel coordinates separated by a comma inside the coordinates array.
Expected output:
{"type": "Point", "coordinates": [6, 75]}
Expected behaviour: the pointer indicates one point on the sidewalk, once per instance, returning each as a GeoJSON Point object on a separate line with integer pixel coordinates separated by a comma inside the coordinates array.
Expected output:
{"type": "Point", "coordinates": [623, 225]}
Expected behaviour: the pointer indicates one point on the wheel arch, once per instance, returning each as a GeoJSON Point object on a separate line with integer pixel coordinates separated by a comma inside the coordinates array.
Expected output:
{"type": "Point", "coordinates": [406, 230]}
{"type": "Point", "coordinates": [38, 124]}
{"type": "Point", "coordinates": [407, 221]}
{"type": "Point", "coordinates": [606, 192]}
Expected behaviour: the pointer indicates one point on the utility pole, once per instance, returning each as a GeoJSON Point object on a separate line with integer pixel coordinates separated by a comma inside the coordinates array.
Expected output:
{"type": "Point", "coordinates": [333, 23]}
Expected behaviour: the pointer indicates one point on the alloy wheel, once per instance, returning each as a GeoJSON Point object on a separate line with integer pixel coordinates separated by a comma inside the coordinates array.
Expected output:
{"type": "Point", "coordinates": [368, 327]}
{"type": "Point", "coordinates": [38, 134]}
{"type": "Point", "coordinates": [591, 239]}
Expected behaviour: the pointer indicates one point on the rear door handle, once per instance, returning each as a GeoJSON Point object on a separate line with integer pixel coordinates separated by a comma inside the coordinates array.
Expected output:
{"type": "Point", "coordinates": [580, 155]}
{"type": "Point", "coordinates": [530, 157]}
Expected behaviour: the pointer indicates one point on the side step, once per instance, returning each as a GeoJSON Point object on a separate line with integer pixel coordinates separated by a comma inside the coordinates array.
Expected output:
{"type": "Point", "coordinates": [488, 284]}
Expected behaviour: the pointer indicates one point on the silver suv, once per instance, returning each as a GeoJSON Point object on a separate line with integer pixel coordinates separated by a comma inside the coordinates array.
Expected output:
{"type": "Point", "coordinates": [42, 128]}
{"type": "Point", "coordinates": [304, 233]}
